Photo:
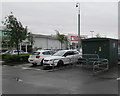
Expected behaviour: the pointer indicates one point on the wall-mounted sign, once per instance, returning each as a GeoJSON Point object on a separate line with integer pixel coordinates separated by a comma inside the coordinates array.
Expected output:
{"type": "Point", "coordinates": [75, 38]}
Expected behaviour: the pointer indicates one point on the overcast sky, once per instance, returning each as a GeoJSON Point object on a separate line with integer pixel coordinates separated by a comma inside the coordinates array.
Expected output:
{"type": "Point", "coordinates": [45, 17]}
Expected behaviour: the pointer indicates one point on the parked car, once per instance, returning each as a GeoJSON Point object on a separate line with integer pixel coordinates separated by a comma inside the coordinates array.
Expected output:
{"type": "Point", "coordinates": [61, 57]}
{"type": "Point", "coordinates": [14, 52]}
{"type": "Point", "coordinates": [37, 57]}
{"type": "Point", "coordinates": [6, 52]}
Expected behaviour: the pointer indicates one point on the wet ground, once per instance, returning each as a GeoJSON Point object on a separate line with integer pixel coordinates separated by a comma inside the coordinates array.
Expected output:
{"type": "Point", "coordinates": [24, 79]}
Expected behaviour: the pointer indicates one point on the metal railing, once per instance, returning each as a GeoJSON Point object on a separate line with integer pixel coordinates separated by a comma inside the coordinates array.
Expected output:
{"type": "Point", "coordinates": [95, 62]}
{"type": "Point", "coordinates": [100, 65]}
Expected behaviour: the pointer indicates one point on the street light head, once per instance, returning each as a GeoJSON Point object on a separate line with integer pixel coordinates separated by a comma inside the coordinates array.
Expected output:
{"type": "Point", "coordinates": [77, 4]}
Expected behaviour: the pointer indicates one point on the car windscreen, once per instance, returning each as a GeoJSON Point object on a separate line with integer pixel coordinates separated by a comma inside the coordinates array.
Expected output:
{"type": "Point", "coordinates": [35, 53]}
{"type": "Point", "coordinates": [8, 51]}
{"type": "Point", "coordinates": [59, 53]}
{"type": "Point", "coordinates": [16, 51]}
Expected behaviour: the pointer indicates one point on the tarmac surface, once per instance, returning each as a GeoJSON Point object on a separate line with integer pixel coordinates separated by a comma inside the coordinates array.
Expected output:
{"type": "Point", "coordinates": [23, 79]}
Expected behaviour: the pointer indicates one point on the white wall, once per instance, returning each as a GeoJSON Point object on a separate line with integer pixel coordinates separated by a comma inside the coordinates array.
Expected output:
{"type": "Point", "coordinates": [40, 42]}
{"type": "Point", "coordinates": [55, 44]}
{"type": "Point", "coordinates": [46, 43]}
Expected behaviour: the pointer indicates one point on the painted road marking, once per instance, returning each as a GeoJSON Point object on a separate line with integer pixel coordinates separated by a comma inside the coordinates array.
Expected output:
{"type": "Point", "coordinates": [118, 78]}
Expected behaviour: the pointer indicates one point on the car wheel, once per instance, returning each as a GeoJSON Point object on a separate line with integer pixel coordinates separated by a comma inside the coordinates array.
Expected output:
{"type": "Point", "coordinates": [79, 60]}
{"type": "Point", "coordinates": [60, 63]}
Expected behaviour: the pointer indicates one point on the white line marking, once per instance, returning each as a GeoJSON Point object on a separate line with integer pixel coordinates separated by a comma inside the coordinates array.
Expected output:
{"type": "Point", "coordinates": [118, 78]}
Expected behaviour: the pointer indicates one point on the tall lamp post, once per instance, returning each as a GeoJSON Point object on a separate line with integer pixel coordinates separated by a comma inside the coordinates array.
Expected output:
{"type": "Point", "coordinates": [79, 39]}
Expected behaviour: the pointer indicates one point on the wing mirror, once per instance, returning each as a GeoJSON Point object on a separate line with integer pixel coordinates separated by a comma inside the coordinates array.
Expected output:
{"type": "Point", "coordinates": [64, 55]}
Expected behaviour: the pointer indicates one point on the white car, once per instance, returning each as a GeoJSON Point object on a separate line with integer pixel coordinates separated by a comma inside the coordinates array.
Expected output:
{"type": "Point", "coordinates": [14, 52]}
{"type": "Point", "coordinates": [37, 57]}
{"type": "Point", "coordinates": [62, 57]}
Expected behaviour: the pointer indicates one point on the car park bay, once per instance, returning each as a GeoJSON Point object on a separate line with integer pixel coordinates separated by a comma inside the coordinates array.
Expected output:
{"type": "Point", "coordinates": [70, 80]}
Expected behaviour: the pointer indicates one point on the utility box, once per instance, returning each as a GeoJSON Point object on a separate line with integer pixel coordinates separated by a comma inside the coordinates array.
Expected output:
{"type": "Point", "coordinates": [106, 48]}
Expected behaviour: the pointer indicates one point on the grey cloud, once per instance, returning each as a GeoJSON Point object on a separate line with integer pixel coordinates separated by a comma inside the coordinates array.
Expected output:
{"type": "Point", "coordinates": [44, 18]}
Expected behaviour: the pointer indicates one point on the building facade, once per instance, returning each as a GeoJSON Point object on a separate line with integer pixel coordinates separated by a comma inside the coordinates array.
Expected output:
{"type": "Point", "coordinates": [45, 42]}
{"type": "Point", "coordinates": [42, 42]}
{"type": "Point", "coordinates": [51, 42]}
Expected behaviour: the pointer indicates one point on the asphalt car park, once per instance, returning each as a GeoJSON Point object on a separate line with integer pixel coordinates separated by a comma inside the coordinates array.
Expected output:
{"type": "Point", "coordinates": [27, 79]}
{"type": "Point", "coordinates": [67, 79]}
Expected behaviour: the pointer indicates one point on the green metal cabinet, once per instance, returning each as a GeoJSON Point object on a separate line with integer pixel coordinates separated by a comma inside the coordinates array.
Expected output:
{"type": "Point", "coordinates": [106, 48]}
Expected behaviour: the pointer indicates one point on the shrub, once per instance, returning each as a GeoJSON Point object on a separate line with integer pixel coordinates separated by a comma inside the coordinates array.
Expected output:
{"type": "Point", "coordinates": [15, 58]}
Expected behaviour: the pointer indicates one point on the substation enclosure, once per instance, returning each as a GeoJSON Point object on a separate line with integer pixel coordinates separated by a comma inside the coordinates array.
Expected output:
{"type": "Point", "coordinates": [106, 48]}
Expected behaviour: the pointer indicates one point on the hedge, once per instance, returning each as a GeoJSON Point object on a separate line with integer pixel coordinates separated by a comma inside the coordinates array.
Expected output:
{"type": "Point", "coordinates": [7, 58]}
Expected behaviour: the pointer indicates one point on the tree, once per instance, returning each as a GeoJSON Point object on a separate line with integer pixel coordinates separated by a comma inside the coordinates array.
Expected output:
{"type": "Point", "coordinates": [30, 38]}
{"type": "Point", "coordinates": [17, 33]}
{"type": "Point", "coordinates": [98, 35]}
{"type": "Point", "coordinates": [66, 41]}
{"type": "Point", "coordinates": [61, 37]}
